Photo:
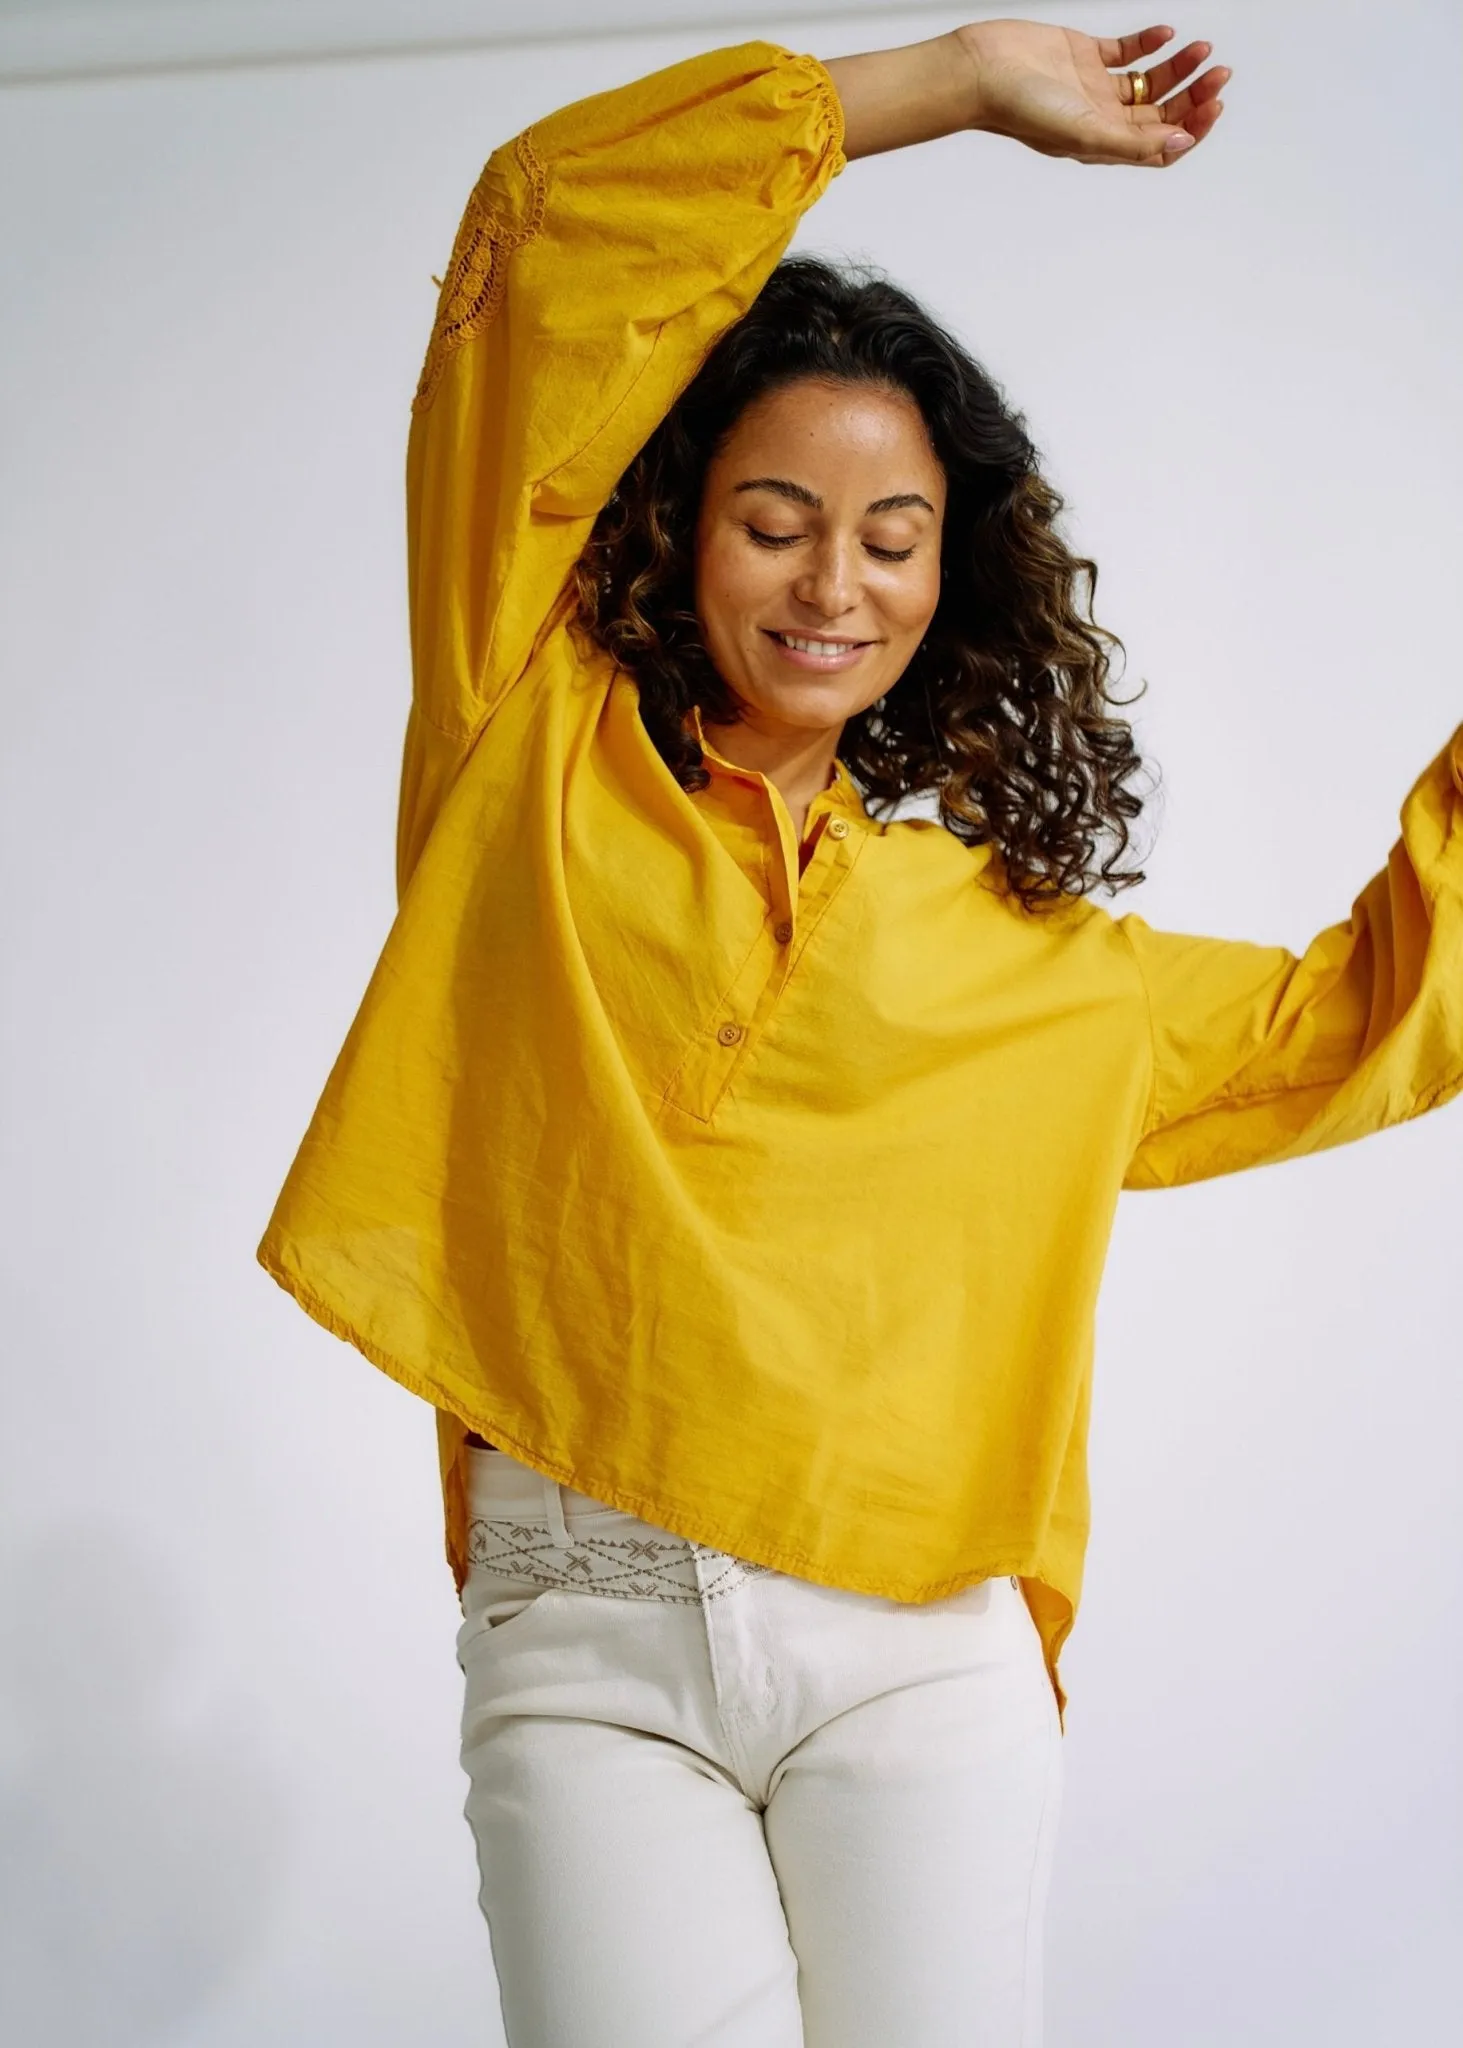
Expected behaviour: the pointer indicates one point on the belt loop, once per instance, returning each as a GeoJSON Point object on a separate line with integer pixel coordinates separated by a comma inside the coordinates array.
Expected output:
{"type": "Point", "coordinates": [554, 1510]}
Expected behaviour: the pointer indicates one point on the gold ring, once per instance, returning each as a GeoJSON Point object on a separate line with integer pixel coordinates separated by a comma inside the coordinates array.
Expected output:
{"type": "Point", "coordinates": [1139, 82]}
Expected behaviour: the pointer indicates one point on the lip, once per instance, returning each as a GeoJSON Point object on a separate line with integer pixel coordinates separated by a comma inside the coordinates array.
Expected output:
{"type": "Point", "coordinates": [819, 664]}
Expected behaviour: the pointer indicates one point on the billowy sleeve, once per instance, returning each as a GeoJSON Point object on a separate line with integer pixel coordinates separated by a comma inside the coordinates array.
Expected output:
{"type": "Point", "coordinates": [602, 252]}
{"type": "Point", "coordinates": [1260, 1054]}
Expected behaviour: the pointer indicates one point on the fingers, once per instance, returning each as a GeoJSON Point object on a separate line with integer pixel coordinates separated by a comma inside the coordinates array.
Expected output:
{"type": "Point", "coordinates": [1162, 78]}
{"type": "Point", "coordinates": [1178, 107]}
{"type": "Point", "coordinates": [1203, 120]}
{"type": "Point", "coordinates": [1115, 50]}
{"type": "Point", "coordinates": [1181, 109]}
{"type": "Point", "coordinates": [1147, 136]}
{"type": "Point", "coordinates": [1153, 154]}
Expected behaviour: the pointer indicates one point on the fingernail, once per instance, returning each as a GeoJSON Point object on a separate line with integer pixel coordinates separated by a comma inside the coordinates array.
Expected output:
{"type": "Point", "coordinates": [1175, 145]}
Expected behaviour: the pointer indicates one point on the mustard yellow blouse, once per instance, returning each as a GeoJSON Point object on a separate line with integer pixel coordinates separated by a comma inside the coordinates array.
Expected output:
{"type": "Point", "coordinates": [769, 1203]}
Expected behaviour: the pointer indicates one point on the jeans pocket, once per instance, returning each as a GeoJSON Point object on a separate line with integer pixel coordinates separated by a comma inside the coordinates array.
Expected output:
{"type": "Point", "coordinates": [498, 1607]}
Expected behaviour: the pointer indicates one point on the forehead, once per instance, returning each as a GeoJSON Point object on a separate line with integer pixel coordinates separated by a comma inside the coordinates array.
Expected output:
{"type": "Point", "coordinates": [833, 428]}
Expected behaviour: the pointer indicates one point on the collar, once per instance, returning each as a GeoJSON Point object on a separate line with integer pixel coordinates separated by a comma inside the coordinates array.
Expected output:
{"type": "Point", "coordinates": [841, 793]}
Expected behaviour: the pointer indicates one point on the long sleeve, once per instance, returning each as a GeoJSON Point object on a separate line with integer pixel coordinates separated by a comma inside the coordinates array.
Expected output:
{"type": "Point", "coordinates": [601, 253]}
{"type": "Point", "coordinates": [1261, 1055]}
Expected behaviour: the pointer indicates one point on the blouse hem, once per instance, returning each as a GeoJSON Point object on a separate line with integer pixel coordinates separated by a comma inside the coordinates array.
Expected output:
{"type": "Point", "coordinates": [777, 1556]}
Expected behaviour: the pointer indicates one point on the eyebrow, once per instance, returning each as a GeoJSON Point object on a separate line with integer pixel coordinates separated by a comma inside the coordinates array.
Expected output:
{"type": "Point", "coordinates": [900, 501]}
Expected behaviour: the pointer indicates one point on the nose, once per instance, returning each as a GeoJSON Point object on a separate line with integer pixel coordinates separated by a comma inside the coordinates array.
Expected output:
{"type": "Point", "coordinates": [828, 580]}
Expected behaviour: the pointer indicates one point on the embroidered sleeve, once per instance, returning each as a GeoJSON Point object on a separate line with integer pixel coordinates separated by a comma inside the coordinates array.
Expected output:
{"type": "Point", "coordinates": [600, 255]}
{"type": "Point", "coordinates": [472, 289]}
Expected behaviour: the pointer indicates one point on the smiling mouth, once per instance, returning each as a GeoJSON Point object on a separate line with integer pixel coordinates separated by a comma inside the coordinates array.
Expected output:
{"type": "Point", "coordinates": [803, 643]}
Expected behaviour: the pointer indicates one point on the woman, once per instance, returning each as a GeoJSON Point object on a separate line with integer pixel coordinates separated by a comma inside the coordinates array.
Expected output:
{"type": "Point", "coordinates": [731, 1162]}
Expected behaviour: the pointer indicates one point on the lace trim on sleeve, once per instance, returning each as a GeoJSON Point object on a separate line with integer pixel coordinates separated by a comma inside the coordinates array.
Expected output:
{"type": "Point", "coordinates": [477, 276]}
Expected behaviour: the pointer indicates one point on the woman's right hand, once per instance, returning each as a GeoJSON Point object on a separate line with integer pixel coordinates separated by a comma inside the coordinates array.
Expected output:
{"type": "Point", "coordinates": [1061, 93]}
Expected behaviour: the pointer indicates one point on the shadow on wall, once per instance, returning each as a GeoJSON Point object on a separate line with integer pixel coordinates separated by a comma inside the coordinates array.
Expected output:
{"type": "Point", "coordinates": [143, 1832]}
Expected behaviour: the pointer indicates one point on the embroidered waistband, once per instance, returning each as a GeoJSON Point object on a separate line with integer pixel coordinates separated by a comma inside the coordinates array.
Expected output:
{"type": "Point", "coordinates": [633, 1566]}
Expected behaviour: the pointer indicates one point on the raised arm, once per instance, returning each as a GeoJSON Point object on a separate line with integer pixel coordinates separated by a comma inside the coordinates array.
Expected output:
{"type": "Point", "coordinates": [601, 253]}
{"type": "Point", "coordinates": [606, 247]}
{"type": "Point", "coordinates": [1056, 90]}
{"type": "Point", "coordinates": [1262, 1055]}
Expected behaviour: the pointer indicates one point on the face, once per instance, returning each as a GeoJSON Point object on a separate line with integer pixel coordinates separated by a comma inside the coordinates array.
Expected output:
{"type": "Point", "coordinates": [818, 552]}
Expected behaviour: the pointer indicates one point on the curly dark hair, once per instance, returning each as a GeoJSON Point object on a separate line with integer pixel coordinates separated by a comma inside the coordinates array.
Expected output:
{"type": "Point", "coordinates": [1005, 710]}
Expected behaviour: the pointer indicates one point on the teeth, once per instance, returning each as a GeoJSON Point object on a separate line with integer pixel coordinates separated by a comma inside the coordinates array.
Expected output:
{"type": "Point", "coordinates": [815, 646]}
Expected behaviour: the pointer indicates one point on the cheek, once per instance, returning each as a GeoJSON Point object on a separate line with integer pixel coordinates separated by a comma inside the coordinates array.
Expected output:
{"type": "Point", "coordinates": [733, 583]}
{"type": "Point", "coordinates": [909, 601]}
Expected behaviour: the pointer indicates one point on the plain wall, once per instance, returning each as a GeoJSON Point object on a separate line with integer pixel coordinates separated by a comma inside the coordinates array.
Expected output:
{"type": "Point", "coordinates": [230, 1803]}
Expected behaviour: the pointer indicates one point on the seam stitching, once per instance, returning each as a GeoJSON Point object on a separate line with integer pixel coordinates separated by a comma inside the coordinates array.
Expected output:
{"type": "Point", "coordinates": [1150, 1114]}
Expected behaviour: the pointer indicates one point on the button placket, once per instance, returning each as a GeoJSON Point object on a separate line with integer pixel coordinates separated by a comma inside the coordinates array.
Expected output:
{"type": "Point", "coordinates": [726, 1038]}
{"type": "Point", "coordinates": [829, 864]}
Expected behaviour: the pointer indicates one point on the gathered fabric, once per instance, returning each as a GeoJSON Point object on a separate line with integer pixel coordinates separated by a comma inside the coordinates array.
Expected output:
{"type": "Point", "coordinates": [760, 1188]}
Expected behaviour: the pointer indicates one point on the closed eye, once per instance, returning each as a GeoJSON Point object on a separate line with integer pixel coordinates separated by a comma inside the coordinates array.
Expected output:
{"type": "Point", "coordinates": [786, 540]}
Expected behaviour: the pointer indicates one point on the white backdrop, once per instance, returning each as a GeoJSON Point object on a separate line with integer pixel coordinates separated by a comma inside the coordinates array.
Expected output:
{"type": "Point", "coordinates": [230, 1804]}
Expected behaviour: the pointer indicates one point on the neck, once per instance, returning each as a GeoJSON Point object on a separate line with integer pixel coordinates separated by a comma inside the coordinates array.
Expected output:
{"type": "Point", "coordinates": [796, 760]}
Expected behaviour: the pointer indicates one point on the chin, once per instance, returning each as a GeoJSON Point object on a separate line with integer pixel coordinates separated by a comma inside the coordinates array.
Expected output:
{"type": "Point", "coordinates": [814, 703]}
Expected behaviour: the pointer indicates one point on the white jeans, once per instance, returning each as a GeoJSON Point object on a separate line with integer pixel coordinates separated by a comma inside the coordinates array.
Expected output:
{"type": "Point", "coordinates": [714, 1804]}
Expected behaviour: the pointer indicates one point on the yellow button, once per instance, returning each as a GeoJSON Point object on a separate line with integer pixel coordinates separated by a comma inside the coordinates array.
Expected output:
{"type": "Point", "coordinates": [729, 1034]}
{"type": "Point", "coordinates": [783, 933]}
{"type": "Point", "coordinates": [838, 828]}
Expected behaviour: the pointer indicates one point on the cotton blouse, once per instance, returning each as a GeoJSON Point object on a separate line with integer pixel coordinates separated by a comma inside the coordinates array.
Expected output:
{"type": "Point", "coordinates": [765, 1198]}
